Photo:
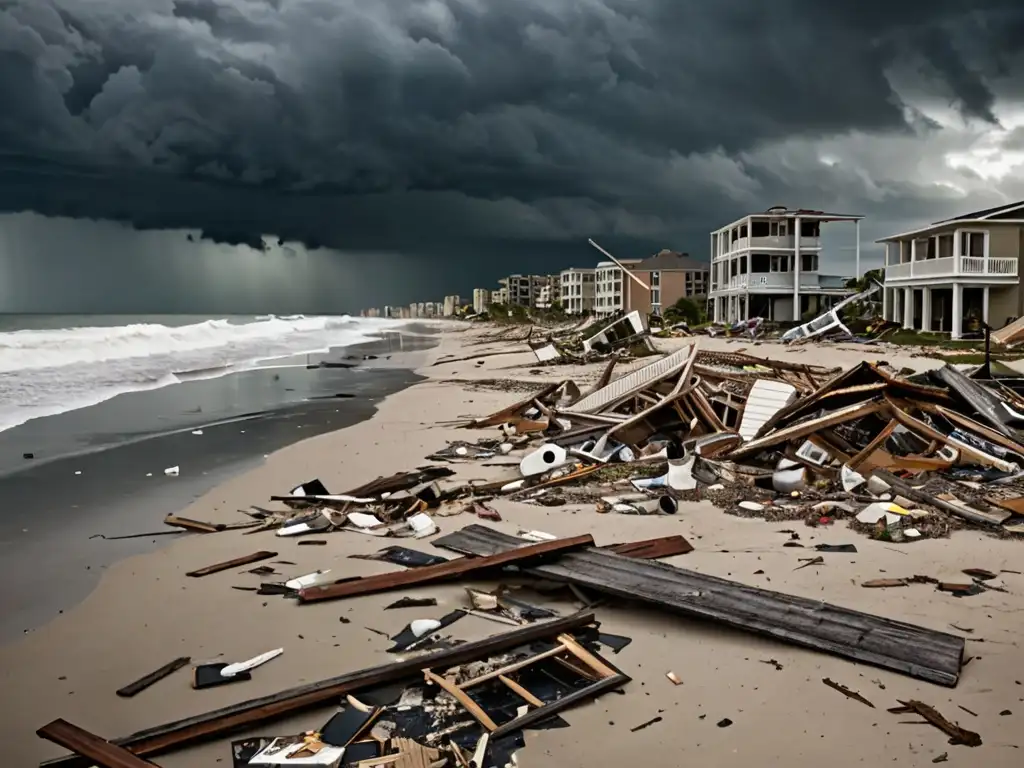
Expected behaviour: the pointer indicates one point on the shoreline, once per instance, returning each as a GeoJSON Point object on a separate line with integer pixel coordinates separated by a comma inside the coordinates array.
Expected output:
{"type": "Point", "coordinates": [68, 511]}
{"type": "Point", "coordinates": [145, 612]}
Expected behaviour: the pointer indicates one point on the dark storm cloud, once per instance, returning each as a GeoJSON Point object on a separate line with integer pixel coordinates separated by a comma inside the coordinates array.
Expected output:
{"type": "Point", "coordinates": [384, 121]}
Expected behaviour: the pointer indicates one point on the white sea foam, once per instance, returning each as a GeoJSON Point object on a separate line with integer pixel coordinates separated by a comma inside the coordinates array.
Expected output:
{"type": "Point", "coordinates": [44, 372]}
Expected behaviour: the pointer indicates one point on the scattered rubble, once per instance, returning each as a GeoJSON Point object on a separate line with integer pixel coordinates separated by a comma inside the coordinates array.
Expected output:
{"type": "Point", "coordinates": [892, 456]}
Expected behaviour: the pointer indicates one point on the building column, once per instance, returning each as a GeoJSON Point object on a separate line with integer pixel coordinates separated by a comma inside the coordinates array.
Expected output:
{"type": "Point", "coordinates": [984, 304]}
{"type": "Point", "coordinates": [958, 312]}
{"type": "Point", "coordinates": [796, 269]}
{"type": "Point", "coordinates": [908, 307]}
{"type": "Point", "coordinates": [926, 309]}
{"type": "Point", "coordinates": [856, 253]}
{"type": "Point", "coordinates": [885, 303]}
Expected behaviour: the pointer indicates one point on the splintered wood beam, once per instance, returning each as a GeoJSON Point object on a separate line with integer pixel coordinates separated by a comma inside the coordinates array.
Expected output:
{"type": "Point", "coordinates": [652, 549]}
{"type": "Point", "coordinates": [227, 565]}
{"type": "Point", "coordinates": [434, 573]}
{"type": "Point", "coordinates": [99, 751]}
{"type": "Point", "coordinates": [911, 650]}
{"type": "Point", "coordinates": [246, 714]}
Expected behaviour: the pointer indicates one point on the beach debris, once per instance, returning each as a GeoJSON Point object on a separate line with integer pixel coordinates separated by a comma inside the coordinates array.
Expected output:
{"type": "Point", "coordinates": [941, 758]}
{"type": "Point", "coordinates": [412, 602]}
{"type": "Point", "coordinates": [920, 652]}
{"type": "Point", "coordinates": [196, 526]}
{"type": "Point", "coordinates": [88, 745]}
{"type": "Point", "coordinates": [144, 682]}
{"type": "Point", "coordinates": [170, 471]}
{"type": "Point", "coordinates": [674, 678]}
{"type": "Point", "coordinates": [646, 724]}
{"type": "Point", "coordinates": [957, 734]}
{"type": "Point", "coordinates": [410, 558]}
{"type": "Point", "coordinates": [209, 676]}
{"type": "Point", "coordinates": [725, 722]}
{"type": "Point", "coordinates": [846, 692]}
{"type": "Point", "coordinates": [809, 561]}
{"type": "Point", "coordinates": [227, 565]}
{"type": "Point", "coordinates": [256, 661]}
{"type": "Point", "coordinates": [417, 630]}
{"type": "Point", "coordinates": [434, 573]}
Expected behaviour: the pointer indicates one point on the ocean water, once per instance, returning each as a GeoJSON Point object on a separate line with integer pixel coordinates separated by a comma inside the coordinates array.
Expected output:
{"type": "Point", "coordinates": [51, 364]}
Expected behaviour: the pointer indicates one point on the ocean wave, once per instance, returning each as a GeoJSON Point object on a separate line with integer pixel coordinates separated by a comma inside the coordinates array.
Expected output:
{"type": "Point", "coordinates": [23, 350]}
{"type": "Point", "coordinates": [46, 372]}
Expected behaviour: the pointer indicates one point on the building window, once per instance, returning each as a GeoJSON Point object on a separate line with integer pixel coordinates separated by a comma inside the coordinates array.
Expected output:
{"type": "Point", "coordinates": [655, 278]}
{"type": "Point", "coordinates": [656, 300]}
{"type": "Point", "coordinates": [972, 244]}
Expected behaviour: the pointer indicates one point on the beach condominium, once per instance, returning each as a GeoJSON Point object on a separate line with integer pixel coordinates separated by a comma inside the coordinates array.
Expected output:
{"type": "Point", "coordinates": [767, 265]}
{"type": "Point", "coordinates": [956, 273]}
{"type": "Point", "coordinates": [577, 290]}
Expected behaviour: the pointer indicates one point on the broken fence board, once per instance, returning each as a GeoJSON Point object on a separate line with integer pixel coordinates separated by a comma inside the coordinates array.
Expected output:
{"type": "Point", "coordinates": [255, 557]}
{"type": "Point", "coordinates": [153, 677]}
{"type": "Point", "coordinates": [98, 751]}
{"type": "Point", "coordinates": [652, 549]}
{"type": "Point", "coordinates": [236, 717]}
{"type": "Point", "coordinates": [912, 650]}
{"type": "Point", "coordinates": [432, 573]}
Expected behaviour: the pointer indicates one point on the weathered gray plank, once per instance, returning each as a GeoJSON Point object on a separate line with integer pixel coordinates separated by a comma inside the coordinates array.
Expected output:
{"type": "Point", "coordinates": [912, 650]}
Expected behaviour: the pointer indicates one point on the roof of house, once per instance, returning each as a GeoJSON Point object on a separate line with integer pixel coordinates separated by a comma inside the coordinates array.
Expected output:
{"type": "Point", "coordinates": [666, 260]}
{"type": "Point", "coordinates": [1010, 212]}
{"type": "Point", "coordinates": [999, 212]}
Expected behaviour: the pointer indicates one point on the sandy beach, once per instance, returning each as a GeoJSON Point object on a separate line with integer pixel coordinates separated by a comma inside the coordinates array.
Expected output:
{"type": "Point", "coordinates": [144, 611]}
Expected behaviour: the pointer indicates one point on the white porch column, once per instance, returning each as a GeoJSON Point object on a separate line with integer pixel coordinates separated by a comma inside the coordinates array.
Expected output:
{"type": "Point", "coordinates": [856, 252]}
{"type": "Point", "coordinates": [885, 303]}
{"type": "Point", "coordinates": [958, 312]}
{"type": "Point", "coordinates": [984, 303]}
{"type": "Point", "coordinates": [796, 269]}
{"type": "Point", "coordinates": [926, 309]}
{"type": "Point", "coordinates": [908, 307]}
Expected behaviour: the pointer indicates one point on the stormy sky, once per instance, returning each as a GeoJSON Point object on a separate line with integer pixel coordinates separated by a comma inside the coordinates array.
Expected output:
{"type": "Point", "coordinates": [322, 155]}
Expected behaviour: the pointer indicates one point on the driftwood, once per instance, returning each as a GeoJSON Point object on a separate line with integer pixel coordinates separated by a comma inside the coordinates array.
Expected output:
{"type": "Point", "coordinates": [957, 735]}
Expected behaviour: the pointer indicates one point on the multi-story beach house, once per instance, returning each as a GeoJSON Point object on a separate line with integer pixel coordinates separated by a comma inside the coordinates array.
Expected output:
{"type": "Point", "coordinates": [481, 299]}
{"type": "Point", "coordinates": [523, 290]}
{"type": "Point", "coordinates": [577, 290]}
{"type": "Point", "coordinates": [671, 276]}
{"type": "Point", "coordinates": [767, 265]}
{"type": "Point", "coordinates": [956, 273]}
{"type": "Point", "coordinates": [609, 293]}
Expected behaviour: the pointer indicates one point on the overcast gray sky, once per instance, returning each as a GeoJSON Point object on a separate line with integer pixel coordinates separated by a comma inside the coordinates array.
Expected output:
{"type": "Point", "coordinates": [425, 146]}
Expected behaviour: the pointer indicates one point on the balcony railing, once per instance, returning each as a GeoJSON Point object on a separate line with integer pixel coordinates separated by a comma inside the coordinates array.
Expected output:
{"type": "Point", "coordinates": [953, 266]}
{"type": "Point", "coordinates": [766, 281]}
{"type": "Point", "coordinates": [755, 243]}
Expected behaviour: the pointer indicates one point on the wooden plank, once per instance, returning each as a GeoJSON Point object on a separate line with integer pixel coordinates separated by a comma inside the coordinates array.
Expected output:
{"type": "Point", "coordinates": [246, 714]}
{"type": "Point", "coordinates": [559, 705]}
{"type": "Point", "coordinates": [153, 677]}
{"type": "Point", "coordinates": [196, 526]}
{"type": "Point", "coordinates": [433, 573]}
{"type": "Point", "coordinates": [514, 666]}
{"type": "Point", "coordinates": [227, 565]}
{"type": "Point", "coordinates": [521, 692]}
{"type": "Point", "coordinates": [464, 699]}
{"type": "Point", "coordinates": [912, 650]}
{"type": "Point", "coordinates": [99, 751]}
{"type": "Point", "coordinates": [652, 549]}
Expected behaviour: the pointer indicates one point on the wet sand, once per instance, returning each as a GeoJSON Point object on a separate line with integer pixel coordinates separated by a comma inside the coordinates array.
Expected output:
{"type": "Point", "coordinates": [111, 481]}
{"type": "Point", "coordinates": [144, 612]}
